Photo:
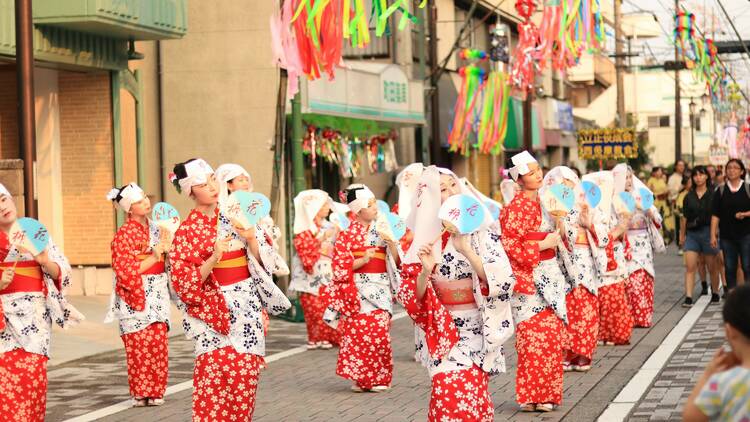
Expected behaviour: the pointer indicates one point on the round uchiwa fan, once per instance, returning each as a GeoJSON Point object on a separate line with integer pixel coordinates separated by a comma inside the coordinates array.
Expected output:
{"type": "Point", "coordinates": [592, 193]}
{"type": "Point", "coordinates": [461, 214]}
{"type": "Point", "coordinates": [246, 208]}
{"type": "Point", "coordinates": [558, 200]}
{"type": "Point", "coordinates": [390, 226]}
{"type": "Point", "coordinates": [644, 199]}
{"type": "Point", "coordinates": [30, 235]}
{"type": "Point", "coordinates": [383, 207]}
{"type": "Point", "coordinates": [494, 208]}
{"type": "Point", "coordinates": [340, 220]}
{"type": "Point", "coordinates": [624, 203]}
{"type": "Point", "coordinates": [166, 217]}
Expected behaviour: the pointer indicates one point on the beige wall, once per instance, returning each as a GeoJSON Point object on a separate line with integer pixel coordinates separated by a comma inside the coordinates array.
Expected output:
{"type": "Point", "coordinates": [219, 91]}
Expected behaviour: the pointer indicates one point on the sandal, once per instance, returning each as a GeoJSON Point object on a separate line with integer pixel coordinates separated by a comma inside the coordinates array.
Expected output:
{"type": "Point", "coordinates": [528, 407]}
{"type": "Point", "coordinates": [311, 345]}
{"type": "Point", "coordinates": [324, 345]}
{"type": "Point", "coordinates": [545, 407]}
{"type": "Point", "coordinates": [380, 388]}
{"type": "Point", "coordinates": [155, 401]}
{"type": "Point", "coordinates": [139, 402]}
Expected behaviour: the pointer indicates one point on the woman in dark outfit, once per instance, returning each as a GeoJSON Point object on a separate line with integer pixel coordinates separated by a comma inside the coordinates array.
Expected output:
{"type": "Point", "coordinates": [696, 234]}
{"type": "Point", "coordinates": [730, 223]}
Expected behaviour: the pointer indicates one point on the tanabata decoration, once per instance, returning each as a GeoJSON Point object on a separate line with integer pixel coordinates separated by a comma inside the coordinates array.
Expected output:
{"type": "Point", "coordinates": [624, 203]}
{"type": "Point", "coordinates": [558, 200]}
{"type": "Point", "coordinates": [29, 234]}
{"type": "Point", "coordinates": [525, 59]}
{"type": "Point", "coordinates": [493, 122]}
{"type": "Point", "coordinates": [308, 35]}
{"type": "Point", "coordinates": [348, 152]}
{"type": "Point", "coordinates": [461, 214]}
{"type": "Point", "coordinates": [166, 217]}
{"type": "Point", "coordinates": [246, 209]}
{"type": "Point", "coordinates": [390, 226]}
{"type": "Point", "coordinates": [592, 193]}
{"type": "Point", "coordinates": [465, 109]}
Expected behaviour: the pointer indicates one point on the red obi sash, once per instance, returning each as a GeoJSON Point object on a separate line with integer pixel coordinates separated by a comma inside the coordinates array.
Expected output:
{"type": "Point", "coordinates": [157, 268]}
{"type": "Point", "coordinates": [455, 295]}
{"type": "Point", "coordinates": [28, 277]}
{"type": "Point", "coordinates": [536, 237]}
{"type": "Point", "coordinates": [231, 268]}
{"type": "Point", "coordinates": [376, 265]}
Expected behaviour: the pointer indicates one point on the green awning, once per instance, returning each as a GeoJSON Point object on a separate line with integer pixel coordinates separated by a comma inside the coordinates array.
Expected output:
{"type": "Point", "coordinates": [514, 136]}
{"type": "Point", "coordinates": [347, 125]}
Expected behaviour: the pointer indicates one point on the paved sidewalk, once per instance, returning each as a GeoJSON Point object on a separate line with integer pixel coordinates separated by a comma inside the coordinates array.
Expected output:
{"type": "Point", "coordinates": [304, 387]}
{"type": "Point", "coordinates": [665, 400]}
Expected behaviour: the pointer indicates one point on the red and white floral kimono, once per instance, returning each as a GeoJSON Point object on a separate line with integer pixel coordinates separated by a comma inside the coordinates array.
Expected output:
{"type": "Point", "coordinates": [28, 307]}
{"type": "Point", "coordinates": [538, 301]}
{"type": "Point", "coordinates": [643, 234]}
{"type": "Point", "coordinates": [582, 332]}
{"type": "Point", "coordinates": [140, 302]}
{"type": "Point", "coordinates": [311, 276]}
{"type": "Point", "coordinates": [465, 321]}
{"type": "Point", "coordinates": [615, 317]}
{"type": "Point", "coordinates": [363, 300]}
{"type": "Point", "coordinates": [222, 314]}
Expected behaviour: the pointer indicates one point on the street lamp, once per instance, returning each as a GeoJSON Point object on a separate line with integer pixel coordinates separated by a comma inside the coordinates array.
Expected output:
{"type": "Point", "coordinates": [693, 108]}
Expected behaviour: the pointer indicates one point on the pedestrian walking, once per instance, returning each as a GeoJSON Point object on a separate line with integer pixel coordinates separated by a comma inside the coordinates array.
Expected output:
{"type": "Point", "coordinates": [696, 235]}
{"type": "Point", "coordinates": [730, 221]}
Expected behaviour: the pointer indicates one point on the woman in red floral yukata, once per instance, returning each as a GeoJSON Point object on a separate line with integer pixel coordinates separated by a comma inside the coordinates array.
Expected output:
{"type": "Point", "coordinates": [531, 237]}
{"type": "Point", "coordinates": [314, 237]}
{"type": "Point", "coordinates": [222, 285]}
{"type": "Point", "coordinates": [140, 300]}
{"type": "Point", "coordinates": [460, 302]}
{"type": "Point", "coordinates": [364, 281]}
{"type": "Point", "coordinates": [31, 299]}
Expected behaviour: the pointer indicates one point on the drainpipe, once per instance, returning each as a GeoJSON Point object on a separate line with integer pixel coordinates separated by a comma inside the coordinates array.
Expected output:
{"type": "Point", "coordinates": [298, 165]}
{"type": "Point", "coordinates": [26, 115]}
{"type": "Point", "coordinates": [160, 93]}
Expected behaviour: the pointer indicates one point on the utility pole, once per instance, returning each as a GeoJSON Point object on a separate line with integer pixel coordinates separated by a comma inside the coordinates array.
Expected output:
{"type": "Point", "coordinates": [677, 100]}
{"type": "Point", "coordinates": [436, 153]}
{"type": "Point", "coordinates": [527, 103]}
{"type": "Point", "coordinates": [619, 65]}
{"type": "Point", "coordinates": [26, 116]}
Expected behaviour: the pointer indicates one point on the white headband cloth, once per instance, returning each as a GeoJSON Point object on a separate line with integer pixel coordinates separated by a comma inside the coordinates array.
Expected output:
{"type": "Point", "coordinates": [521, 163]}
{"type": "Point", "coordinates": [129, 195]}
{"type": "Point", "coordinates": [358, 197]}
{"type": "Point", "coordinates": [197, 172]}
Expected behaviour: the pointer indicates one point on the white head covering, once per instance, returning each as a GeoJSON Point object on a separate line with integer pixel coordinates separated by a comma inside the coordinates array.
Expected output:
{"type": "Point", "coordinates": [227, 172]}
{"type": "Point", "coordinates": [407, 187]}
{"type": "Point", "coordinates": [605, 181]}
{"type": "Point", "coordinates": [197, 171]}
{"type": "Point", "coordinates": [307, 204]}
{"type": "Point", "coordinates": [521, 163]}
{"type": "Point", "coordinates": [508, 188]}
{"type": "Point", "coordinates": [559, 174]}
{"type": "Point", "coordinates": [129, 195]}
{"type": "Point", "coordinates": [362, 196]}
{"type": "Point", "coordinates": [423, 219]}
{"type": "Point", "coordinates": [484, 199]}
{"type": "Point", "coordinates": [620, 174]}
{"type": "Point", "coordinates": [4, 190]}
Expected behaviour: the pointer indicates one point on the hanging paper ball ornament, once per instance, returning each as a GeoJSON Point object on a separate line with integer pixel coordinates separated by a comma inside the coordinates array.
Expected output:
{"type": "Point", "coordinates": [472, 54]}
